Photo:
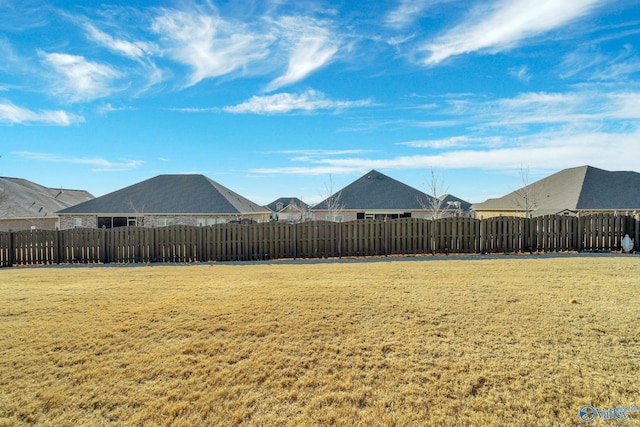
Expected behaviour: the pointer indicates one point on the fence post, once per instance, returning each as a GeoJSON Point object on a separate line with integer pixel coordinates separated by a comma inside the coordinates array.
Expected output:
{"type": "Point", "coordinates": [245, 242]}
{"type": "Point", "coordinates": [294, 240]}
{"type": "Point", "coordinates": [56, 247]}
{"type": "Point", "coordinates": [386, 238]}
{"type": "Point", "coordinates": [10, 255]}
{"type": "Point", "coordinates": [482, 231]}
{"type": "Point", "coordinates": [580, 234]}
{"type": "Point", "coordinates": [340, 240]}
{"type": "Point", "coordinates": [636, 217]}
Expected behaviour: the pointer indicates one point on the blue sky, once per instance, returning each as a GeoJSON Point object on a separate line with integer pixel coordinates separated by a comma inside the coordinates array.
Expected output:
{"type": "Point", "coordinates": [284, 98]}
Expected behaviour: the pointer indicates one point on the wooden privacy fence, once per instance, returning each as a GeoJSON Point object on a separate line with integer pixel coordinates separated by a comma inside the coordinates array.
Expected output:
{"type": "Point", "coordinates": [317, 239]}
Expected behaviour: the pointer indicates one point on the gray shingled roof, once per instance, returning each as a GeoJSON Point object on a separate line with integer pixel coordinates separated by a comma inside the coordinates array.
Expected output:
{"type": "Point", "coordinates": [450, 200]}
{"type": "Point", "coordinates": [581, 188]}
{"type": "Point", "coordinates": [170, 194]}
{"type": "Point", "coordinates": [21, 198]}
{"type": "Point", "coordinates": [286, 201]}
{"type": "Point", "coordinates": [376, 191]}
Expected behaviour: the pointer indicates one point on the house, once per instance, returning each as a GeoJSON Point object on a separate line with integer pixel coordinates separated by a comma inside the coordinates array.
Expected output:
{"type": "Point", "coordinates": [25, 205]}
{"type": "Point", "coordinates": [289, 209]}
{"type": "Point", "coordinates": [377, 196]}
{"type": "Point", "coordinates": [576, 191]}
{"type": "Point", "coordinates": [456, 206]}
{"type": "Point", "coordinates": [165, 200]}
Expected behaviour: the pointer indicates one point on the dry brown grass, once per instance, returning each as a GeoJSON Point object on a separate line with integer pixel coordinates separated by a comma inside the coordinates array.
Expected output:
{"type": "Point", "coordinates": [420, 342]}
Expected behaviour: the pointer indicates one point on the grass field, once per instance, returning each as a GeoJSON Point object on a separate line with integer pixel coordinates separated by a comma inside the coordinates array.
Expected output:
{"type": "Point", "coordinates": [405, 342]}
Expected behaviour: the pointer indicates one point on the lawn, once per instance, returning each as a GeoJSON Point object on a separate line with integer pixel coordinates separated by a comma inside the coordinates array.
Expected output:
{"type": "Point", "coordinates": [522, 340]}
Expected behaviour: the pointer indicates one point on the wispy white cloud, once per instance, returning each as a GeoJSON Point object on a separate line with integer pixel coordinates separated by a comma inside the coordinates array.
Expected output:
{"type": "Point", "coordinates": [543, 130]}
{"type": "Point", "coordinates": [405, 13]}
{"type": "Point", "coordinates": [597, 66]}
{"type": "Point", "coordinates": [82, 80]}
{"type": "Point", "coordinates": [589, 107]}
{"type": "Point", "coordinates": [572, 108]}
{"type": "Point", "coordinates": [209, 44]}
{"type": "Point", "coordinates": [6, 53]}
{"type": "Point", "coordinates": [134, 50]}
{"type": "Point", "coordinates": [196, 110]}
{"type": "Point", "coordinates": [109, 108]}
{"type": "Point", "coordinates": [124, 44]}
{"type": "Point", "coordinates": [320, 153]}
{"type": "Point", "coordinates": [446, 143]}
{"type": "Point", "coordinates": [12, 114]}
{"type": "Point", "coordinates": [543, 151]}
{"type": "Point", "coordinates": [408, 11]}
{"type": "Point", "coordinates": [98, 164]}
{"type": "Point", "coordinates": [286, 102]}
{"type": "Point", "coordinates": [311, 44]}
{"type": "Point", "coordinates": [521, 73]}
{"type": "Point", "coordinates": [307, 170]}
{"type": "Point", "coordinates": [505, 24]}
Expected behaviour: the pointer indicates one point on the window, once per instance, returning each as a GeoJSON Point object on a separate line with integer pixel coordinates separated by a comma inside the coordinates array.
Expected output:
{"type": "Point", "coordinates": [210, 221]}
{"type": "Point", "coordinates": [115, 221]}
{"type": "Point", "coordinates": [336, 218]}
{"type": "Point", "coordinates": [77, 222]}
{"type": "Point", "coordinates": [163, 222]}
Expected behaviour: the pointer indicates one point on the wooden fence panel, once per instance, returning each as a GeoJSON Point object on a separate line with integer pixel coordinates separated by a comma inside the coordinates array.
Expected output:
{"type": "Point", "coordinates": [34, 247]}
{"type": "Point", "coordinates": [441, 233]}
{"type": "Point", "coordinates": [455, 235]}
{"type": "Point", "coordinates": [5, 249]}
{"type": "Point", "coordinates": [463, 235]}
{"type": "Point", "coordinates": [504, 234]}
{"type": "Point", "coordinates": [364, 238]}
{"type": "Point", "coordinates": [318, 239]}
{"type": "Point", "coordinates": [81, 245]}
{"type": "Point", "coordinates": [489, 235]}
{"type": "Point", "coordinates": [409, 236]}
{"type": "Point", "coordinates": [129, 244]}
{"type": "Point", "coordinates": [177, 243]}
{"type": "Point", "coordinates": [270, 240]}
{"type": "Point", "coordinates": [225, 242]}
{"type": "Point", "coordinates": [605, 232]}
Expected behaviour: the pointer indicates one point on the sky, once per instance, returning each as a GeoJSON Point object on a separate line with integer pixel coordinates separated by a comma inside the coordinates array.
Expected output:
{"type": "Point", "coordinates": [299, 98]}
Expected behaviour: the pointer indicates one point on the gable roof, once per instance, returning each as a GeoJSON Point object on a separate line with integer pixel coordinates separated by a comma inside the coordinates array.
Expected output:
{"type": "Point", "coordinates": [286, 201]}
{"type": "Point", "coordinates": [580, 188]}
{"type": "Point", "coordinates": [376, 191]}
{"type": "Point", "coordinates": [450, 201]}
{"type": "Point", "coordinates": [21, 198]}
{"type": "Point", "coordinates": [170, 194]}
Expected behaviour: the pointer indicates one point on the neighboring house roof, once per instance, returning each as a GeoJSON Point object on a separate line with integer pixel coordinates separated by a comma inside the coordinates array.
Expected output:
{"type": "Point", "coordinates": [286, 201]}
{"type": "Point", "coordinates": [583, 188]}
{"type": "Point", "coordinates": [452, 202]}
{"type": "Point", "coordinates": [376, 191]}
{"type": "Point", "coordinates": [170, 194]}
{"type": "Point", "coordinates": [21, 198]}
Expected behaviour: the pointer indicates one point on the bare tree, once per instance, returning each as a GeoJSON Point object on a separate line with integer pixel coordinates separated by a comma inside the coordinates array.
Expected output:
{"type": "Point", "coordinates": [138, 211]}
{"type": "Point", "coordinates": [303, 210]}
{"type": "Point", "coordinates": [436, 190]}
{"type": "Point", "coordinates": [333, 201]}
{"type": "Point", "coordinates": [527, 196]}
